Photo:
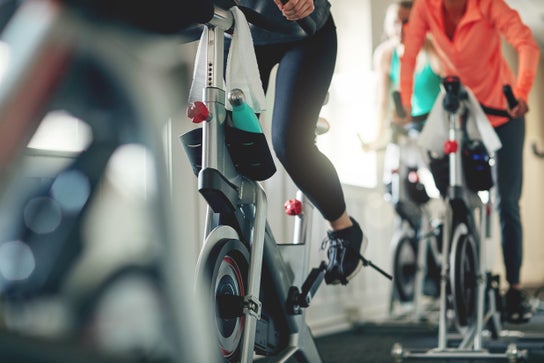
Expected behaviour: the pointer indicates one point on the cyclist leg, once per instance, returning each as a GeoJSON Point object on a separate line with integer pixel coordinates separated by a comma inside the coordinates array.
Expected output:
{"type": "Point", "coordinates": [508, 180]}
{"type": "Point", "coordinates": [302, 81]}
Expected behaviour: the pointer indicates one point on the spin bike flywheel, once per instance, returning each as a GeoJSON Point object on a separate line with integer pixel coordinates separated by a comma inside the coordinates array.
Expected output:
{"type": "Point", "coordinates": [227, 268]}
{"type": "Point", "coordinates": [463, 274]}
{"type": "Point", "coordinates": [405, 267]}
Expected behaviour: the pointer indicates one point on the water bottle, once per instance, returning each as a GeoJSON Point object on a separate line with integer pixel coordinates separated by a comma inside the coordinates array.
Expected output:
{"type": "Point", "coordinates": [243, 116]}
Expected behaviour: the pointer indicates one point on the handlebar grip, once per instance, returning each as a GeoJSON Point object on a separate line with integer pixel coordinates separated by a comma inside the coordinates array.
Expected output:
{"type": "Point", "coordinates": [307, 24]}
{"type": "Point", "coordinates": [398, 104]}
{"type": "Point", "coordinates": [512, 101]}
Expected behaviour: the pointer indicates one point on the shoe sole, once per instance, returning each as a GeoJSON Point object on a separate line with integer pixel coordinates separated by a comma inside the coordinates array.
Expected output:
{"type": "Point", "coordinates": [352, 275]}
{"type": "Point", "coordinates": [359, 265]}
{"type": "Point", "coordinates": [519, 320]}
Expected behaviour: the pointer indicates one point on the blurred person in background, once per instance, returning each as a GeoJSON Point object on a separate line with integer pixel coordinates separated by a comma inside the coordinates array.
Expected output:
{"type": "Point", "coordinates": [467, 35]}
{"type": "Point", "coordinates": [387, 56]}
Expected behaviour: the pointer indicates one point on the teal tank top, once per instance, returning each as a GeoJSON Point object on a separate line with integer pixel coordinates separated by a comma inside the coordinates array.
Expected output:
{"type": "Point", "coordinates": [426, 86]}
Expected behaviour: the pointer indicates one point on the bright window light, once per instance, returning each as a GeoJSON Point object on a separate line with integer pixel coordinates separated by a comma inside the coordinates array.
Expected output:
{"type": "Point", "coordinates": [59, 131]}
{"type": "Point", "coordinates": [350, 114]}
{"type": "Point", "coordinates": [350, 110]}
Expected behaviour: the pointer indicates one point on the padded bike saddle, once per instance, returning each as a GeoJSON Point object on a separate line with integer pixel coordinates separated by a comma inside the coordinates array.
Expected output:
{"type": "Point", "coordinates": [158, 16]}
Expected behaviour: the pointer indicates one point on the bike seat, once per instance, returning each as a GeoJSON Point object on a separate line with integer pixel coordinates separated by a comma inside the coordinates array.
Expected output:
{"type": "Point", "coordinates": [158, 16]}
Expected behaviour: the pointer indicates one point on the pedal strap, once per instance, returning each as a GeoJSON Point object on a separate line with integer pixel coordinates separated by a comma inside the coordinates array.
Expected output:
{"type": "Point", "coordinates": [337, 253]}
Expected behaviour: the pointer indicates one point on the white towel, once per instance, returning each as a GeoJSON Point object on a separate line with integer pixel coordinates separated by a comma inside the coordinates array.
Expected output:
{"type": "Point", "coordinates": [242, 71]}
{"type": "Point", "coordinates": [435, 132]}
{"type": "Point", "coordinates": [199, 70]}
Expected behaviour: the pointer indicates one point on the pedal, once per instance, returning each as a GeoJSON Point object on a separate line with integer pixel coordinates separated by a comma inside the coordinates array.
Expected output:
{"type": "Point", "coordinates": [297, 300]}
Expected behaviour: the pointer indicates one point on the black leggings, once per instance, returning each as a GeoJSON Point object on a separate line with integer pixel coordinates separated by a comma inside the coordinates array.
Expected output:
{"type": "Point", "coordinates": [509, 180]}
{"type": "Point", "coordinates": [303, 79]}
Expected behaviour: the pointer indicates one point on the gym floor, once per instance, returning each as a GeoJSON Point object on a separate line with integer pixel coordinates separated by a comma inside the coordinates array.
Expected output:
{"type": "Point", "coordinates": [372, 343]}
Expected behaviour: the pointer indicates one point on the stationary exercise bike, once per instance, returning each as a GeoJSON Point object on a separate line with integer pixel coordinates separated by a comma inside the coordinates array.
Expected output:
{"type": "Point", "coordinates": [467, 289]}
{"type": "Point", "coordinates": [259, 288]}
{"type": "Point", "coordinates": [417, 237]}
{"type": "Point", "coordinates": [89, 273]}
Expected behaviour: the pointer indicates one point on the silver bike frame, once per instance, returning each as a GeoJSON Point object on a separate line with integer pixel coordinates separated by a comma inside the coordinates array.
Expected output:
{"type": "Point", "coordinates": [471, 346]}
{"type": "Point", "coordinates": [263, 248]}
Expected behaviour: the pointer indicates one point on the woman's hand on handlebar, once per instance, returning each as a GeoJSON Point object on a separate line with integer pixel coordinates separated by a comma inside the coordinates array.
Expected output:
{"type": "Point", "coordinates": [401, 114]}
{"type": "Point", "coordinates": [296, 9]}
{"type": "Point", "coordinates": [519, 110]}
{"type": "Point", "coordinates": [401, 121]}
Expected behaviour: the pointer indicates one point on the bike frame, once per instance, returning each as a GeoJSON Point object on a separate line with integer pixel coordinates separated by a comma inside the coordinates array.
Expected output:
{"type": "Point", "coordinates": [45, 37]}
{"type": "Point", "coordinates": [460, 199]}
{"type": "Point", "coordinates": [288, 263]}
{"type": "Point", "coordinates": [460, 195]}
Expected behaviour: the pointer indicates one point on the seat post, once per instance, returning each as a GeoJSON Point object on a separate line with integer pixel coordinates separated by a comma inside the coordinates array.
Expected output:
{"type": "Point", "coordinates": [214, 154]}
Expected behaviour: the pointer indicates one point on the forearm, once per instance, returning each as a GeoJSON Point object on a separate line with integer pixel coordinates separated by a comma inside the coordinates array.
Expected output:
{"type": "Point", "coordinates": [520, 37]}
{"type": "Point", "coordinates": [528, 59]}
{"type": "Point", "coordinates": [415, 36]}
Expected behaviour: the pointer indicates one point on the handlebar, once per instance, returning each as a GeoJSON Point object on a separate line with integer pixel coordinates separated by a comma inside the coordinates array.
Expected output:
{"type": "Point", "coordinates": [398, 104]}
{"type": "Point", "coordinates": [159, 16]}
{"type": "Point", "coordinates": [455, 93]}
{"type": "Point", "coordinates": [407, 128]}
{"type": "Point", "coordinates": [173, 16]}
{"type": "Point", "coordinates": [512, 101]}
{"type": "Point", "coordinates": [417, 121]}
{"type": "Point", "coordinates": [257, 19]}
{"type": "Point", "coordinates": [307, 24]}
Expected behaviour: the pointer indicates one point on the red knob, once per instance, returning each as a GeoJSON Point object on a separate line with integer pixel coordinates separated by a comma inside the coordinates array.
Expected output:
{"type": "Point", "coordinates": [198, 112]}
{"type": "Point", "coordinates": [450, 147]}
{"type": "Point", "coordinates": [413, 177]}
{"type": "Point", "coordinates": [293, 207]}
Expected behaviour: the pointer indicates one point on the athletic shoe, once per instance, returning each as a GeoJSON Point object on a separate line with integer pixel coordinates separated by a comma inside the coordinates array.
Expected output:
{"type": "Point", "coordinates": [518, 309]}
{"type": "Point", "coordinates": [345, 247]}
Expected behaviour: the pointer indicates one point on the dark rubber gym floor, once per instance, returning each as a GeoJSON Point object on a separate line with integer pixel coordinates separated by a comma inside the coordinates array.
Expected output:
{"type": "Point", "coordinates": [372, 343]}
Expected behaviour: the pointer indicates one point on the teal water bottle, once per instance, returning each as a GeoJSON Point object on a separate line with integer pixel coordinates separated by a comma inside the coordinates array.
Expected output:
{"type": "Point", "coordinates": [243, 116]}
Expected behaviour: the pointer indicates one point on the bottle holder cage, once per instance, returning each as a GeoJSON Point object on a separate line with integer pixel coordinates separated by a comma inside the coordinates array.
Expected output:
{"type": "Point", "coordinates": [249, 152]}
{"type": "Point", "coordinates": [441, 173]}
{"type": "Point", "coordinates": [477, 168]}
{"type": "Point", "coordinates": [192, 144]}
{"type": "Point", "coordinates": [416, 190]}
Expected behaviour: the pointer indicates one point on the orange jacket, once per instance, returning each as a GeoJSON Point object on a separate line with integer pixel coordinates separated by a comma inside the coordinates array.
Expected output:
{"type": "Point", "coordinates": [474, 54]}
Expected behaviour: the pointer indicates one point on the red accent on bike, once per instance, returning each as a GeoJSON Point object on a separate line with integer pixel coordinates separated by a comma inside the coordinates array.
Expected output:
{"type": "Point", "coordinates": [450, 147]}
{"type": "Point", "coordinates": [198, 112]}
{"type": "Point", "coordinates": [293, 207]}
